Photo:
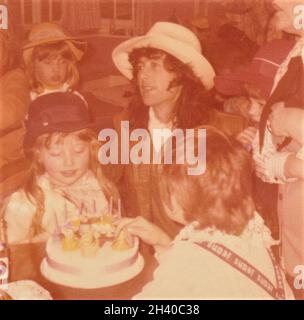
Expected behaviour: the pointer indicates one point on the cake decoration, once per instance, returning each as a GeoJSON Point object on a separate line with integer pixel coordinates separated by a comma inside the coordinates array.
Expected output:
{"type": "Point", "coordinates": [87, 252]}
{"type": "Point", "coordinates": [89, 244]}
{"type": "Point", "coordinates": [87, 233]}
{"type": "Point", "coordinates": [123, 241]}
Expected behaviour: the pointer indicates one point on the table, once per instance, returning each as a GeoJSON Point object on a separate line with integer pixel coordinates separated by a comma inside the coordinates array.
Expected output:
{"type": "Point", "coordinates": [25, 260]}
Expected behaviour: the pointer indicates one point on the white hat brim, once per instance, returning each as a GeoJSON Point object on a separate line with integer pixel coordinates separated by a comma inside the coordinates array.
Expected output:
{"type": "Point", "coordinates": [183, 52]}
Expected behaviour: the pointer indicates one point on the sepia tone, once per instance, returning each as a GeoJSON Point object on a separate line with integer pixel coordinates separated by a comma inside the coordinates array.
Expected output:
{"type": "Point", "coordinates": [75, 74]}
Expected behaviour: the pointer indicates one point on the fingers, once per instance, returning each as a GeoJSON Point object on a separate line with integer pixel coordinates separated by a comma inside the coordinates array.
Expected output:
{"type": "Point", "coordinates": [123, 224]}
{"type": "Point", "coordinates": [142, 228]}
{"type": "Point", "coordinates": [250, 131]}
{"type": "Point", "coordinates": [138, 231]}
{"type": "Point", "coordinates": [247, 136]}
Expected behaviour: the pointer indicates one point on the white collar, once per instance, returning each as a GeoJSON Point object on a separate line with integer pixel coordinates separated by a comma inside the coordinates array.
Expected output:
{"type": "Point", "coordinates": [64, 88]}
{"type": "Point", "coordinates": [255, 233]}
{"type": "Point", "coordinates": [154, 122]}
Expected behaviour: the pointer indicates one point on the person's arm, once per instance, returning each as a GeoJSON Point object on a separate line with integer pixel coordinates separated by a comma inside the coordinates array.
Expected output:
{"type": "Point", "coordinates": [14, 98]}
{"type": "Point", "coordinates": [294, 167]}
{"type": "Point", "coordinates": [288, 122]}
{"type": "Point", "coordinates": [269, 163]}
{"type": "Point", "coordinates": [247, 136]}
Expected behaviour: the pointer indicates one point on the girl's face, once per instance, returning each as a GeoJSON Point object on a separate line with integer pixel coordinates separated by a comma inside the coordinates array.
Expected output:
{"type": "Point", "coordinates": [51, 71]}
{"type": "Point", "coordinates": [66, 159]}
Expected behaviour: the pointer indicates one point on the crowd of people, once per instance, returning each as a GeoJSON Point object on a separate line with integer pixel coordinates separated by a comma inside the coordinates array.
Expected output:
{"type": "Point", "coordinates": [214, 235]}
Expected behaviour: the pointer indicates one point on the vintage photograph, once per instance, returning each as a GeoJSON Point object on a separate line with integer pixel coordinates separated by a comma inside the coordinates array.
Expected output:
{"type": "Point", "coordinates": [151, 150]}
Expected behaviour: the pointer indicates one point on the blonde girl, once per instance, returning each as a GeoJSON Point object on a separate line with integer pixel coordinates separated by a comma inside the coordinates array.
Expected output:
{"type": "Point", "coordinates": [50, 57]}
{"type": "Point", "coordinates": [64, 177]}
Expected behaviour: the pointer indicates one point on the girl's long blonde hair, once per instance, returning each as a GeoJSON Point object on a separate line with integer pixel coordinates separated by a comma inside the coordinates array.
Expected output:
{"type": "Point", "coordinates": [34, 192]}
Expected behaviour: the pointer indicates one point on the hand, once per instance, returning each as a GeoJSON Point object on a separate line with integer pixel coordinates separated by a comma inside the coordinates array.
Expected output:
{"type": "Point", "coordinates": [277, 119]}
{"type": "Point", "coordinates": [145, 230]}
{"type": "Point", "coordinates": [246, 136]}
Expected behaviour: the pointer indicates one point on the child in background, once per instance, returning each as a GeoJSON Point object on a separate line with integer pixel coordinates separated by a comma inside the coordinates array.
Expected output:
{"type": "Point", "coordinates": [65, 174]}
{"type": "Point", "coordinates": [256, 82]}
{"type": "Point", "coordinates": [50, 58]}
{"type": "Point", "coordinates": [252, 86]}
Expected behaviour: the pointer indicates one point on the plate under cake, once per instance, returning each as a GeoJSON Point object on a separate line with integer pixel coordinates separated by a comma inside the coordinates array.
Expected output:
{"type": "Point", "coordinates": [108, 267]}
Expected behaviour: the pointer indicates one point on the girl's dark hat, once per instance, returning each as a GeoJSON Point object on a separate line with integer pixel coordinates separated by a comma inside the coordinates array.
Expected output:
{"type": "Point", "coordinates": [59, 112]}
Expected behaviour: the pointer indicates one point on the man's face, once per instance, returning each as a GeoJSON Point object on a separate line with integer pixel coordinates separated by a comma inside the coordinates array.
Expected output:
{"type": "Point", "coordinates": [154, 83]}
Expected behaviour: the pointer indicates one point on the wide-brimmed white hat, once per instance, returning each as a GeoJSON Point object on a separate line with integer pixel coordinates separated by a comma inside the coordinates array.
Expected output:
{"type": "Point", "coordinates": [172, 38]}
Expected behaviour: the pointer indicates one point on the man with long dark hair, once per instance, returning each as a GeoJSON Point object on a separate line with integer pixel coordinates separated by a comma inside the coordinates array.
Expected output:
{"type": "Point", "coordinates": [171, 79]}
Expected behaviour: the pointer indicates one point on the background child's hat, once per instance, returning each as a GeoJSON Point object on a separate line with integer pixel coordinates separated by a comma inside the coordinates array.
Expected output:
{"type": "Point", "coordinates": [260, 72]}
{"type": "Point", "coordinates": [172, 38]}
{"type": "Point", "coordinates": [48, 32]}
{"type": "Point", "coordinates": [59, 112]}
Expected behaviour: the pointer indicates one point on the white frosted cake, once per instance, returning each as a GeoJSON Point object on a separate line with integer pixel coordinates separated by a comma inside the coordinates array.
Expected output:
{"type": "Point", "coordinates": [86, 255]}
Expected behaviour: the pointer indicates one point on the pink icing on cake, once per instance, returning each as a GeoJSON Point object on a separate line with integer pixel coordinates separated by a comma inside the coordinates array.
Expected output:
{"type": "Point", "coordinates": [105, 268]}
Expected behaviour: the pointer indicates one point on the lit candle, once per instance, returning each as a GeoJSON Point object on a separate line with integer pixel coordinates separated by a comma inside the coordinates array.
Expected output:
{"type": "Point", "coordinates": [65, 211]}
{"type": "Point", "coordinates": [111, 206]}
{"type": "Point", "coordinates": [81, 208]}
{"type": "Point", "coordinates": [94, 206]}
{"type": "Point", "coordinates": [119, 208]}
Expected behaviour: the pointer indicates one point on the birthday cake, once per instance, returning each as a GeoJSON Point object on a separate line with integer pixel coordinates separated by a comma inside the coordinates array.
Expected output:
{"type": "Point", "coordinates": [85, 253]}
